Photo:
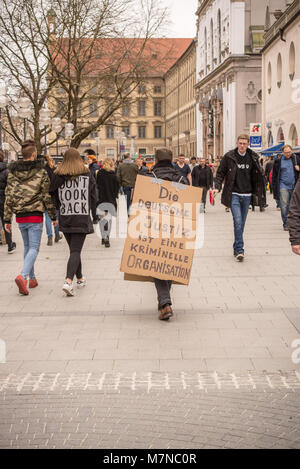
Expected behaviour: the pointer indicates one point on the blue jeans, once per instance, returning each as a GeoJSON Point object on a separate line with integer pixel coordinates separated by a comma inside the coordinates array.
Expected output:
{"type": "Point", "coordinates": [48, 223]}
{"type": "Point", "coordinates": [285, 198]}
{"type": "Point", "coordinates": [239, 210]}
{"type": "Point", "coordinates": [31, 234]}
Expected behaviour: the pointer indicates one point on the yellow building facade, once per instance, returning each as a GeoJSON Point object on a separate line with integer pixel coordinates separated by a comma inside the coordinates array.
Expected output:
{"type": "Point", "coordinates": [181, 104]}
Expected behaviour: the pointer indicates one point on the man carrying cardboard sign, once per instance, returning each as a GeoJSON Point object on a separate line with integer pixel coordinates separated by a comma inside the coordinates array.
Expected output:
{"type": "Point", "coordinates": [157, 247]}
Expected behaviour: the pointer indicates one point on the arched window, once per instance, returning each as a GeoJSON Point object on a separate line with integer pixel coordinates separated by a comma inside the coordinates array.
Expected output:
{"type": "Point", "coordinates": [279, 70]}
{"type": "Point", "coordinates": [219, 36]}
{"type": "Point", "coordinates": [205, 50]}
{"type": "Point", "coordinates": [269, 78]}
{"type": "Point", "coordinates": [280, 135]}
{"type": "Point", "coordinates": [292, 61]}
{"type": "Point", "coordinates": [270, 138]}
{"type": "Point", "coordinates": [293, 136]}
{"type": "Point", "coordinates": [212, 43]}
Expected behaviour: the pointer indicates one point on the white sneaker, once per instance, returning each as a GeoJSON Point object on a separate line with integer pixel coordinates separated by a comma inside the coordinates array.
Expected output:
{"type": "Point", "coordinates": [81, 283]}
{"type": "Point", "coordinates": [68, 289]}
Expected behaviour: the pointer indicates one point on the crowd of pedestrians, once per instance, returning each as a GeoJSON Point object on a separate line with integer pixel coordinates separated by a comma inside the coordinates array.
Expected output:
{"type": "Point", "coordinates": [81, 192]}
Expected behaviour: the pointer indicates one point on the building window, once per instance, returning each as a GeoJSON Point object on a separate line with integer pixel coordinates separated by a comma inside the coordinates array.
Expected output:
{"type": "Point", "coordinates": [61, 109]}
{"type": "Point", "coordinates": [269, 78]}
{"type": "Point", "coordinates": [157, 108]}
{"type": "Point", "coordinates": [157, 89]}
{"type": "Point", "coordinates": [94, 134]}
{"type": "Point", "coordinates": [157, 131]}
{"type": "Point", "coordinates": [142, 131]}
{"type": "Point", "coordinates": [142, 108]}
{"type": "Point", "coordinates": [142, 151]}
{"type": "Point", "coordinates": [110, 131]}
{"type": "Point", "coordinates": [219, 36]}
{"type": "Point", "coordinates": [141, 89]}
{"type": "Point", "coordinates": [250, 114]}
{"type": "Point", "coordinates": [279, 70]}
{"type": "Point", "coordinates": [280, 135]}
{"type": "Point", "coordinates": [205, 50]}
{"type": "Point", "coordinates": [293, 136]}
{"type": "Point", "coordinates": [292, 61]}
{"type": "Point", "coordinates": [110, 153]}
{"type": "Point", "coordinates": [212, 44]}
{"type": "Point", "coordinates": [126, 130]}
{"type": "Point", "coordinates": [93, 109]}
{"type": "Point", "coordinates": [126, 110]}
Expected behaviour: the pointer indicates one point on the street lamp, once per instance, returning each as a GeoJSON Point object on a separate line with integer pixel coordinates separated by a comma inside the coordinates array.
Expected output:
{"type": "Point", "coordinates": [45, 120]}
{"type": "Point", "coordinates": [24, 111]}
{"type": "Point", "coordinates": [56, 127]}
{"type": "Point", "coordinates": [69, 132]}
{"type": "Point", "coordinates": [132, 148]}
{"type": "Point", "coordinates": [3, 104]}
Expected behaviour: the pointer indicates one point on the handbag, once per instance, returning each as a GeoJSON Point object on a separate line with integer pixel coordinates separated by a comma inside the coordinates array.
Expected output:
{"type": "Point", "coordinates": [211, 197]}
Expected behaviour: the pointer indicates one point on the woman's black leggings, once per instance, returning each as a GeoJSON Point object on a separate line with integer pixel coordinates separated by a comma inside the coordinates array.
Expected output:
{"type": "Point", "coordinates": [75, 242]}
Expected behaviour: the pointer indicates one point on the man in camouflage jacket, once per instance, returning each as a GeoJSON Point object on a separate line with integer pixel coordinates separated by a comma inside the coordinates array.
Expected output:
{"type": "Point", "coordinates": [27, 196]}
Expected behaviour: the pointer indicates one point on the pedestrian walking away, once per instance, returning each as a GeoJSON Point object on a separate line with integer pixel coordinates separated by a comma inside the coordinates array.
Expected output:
{"type": "Point", "coordinates": [163, 169]}
{"type": "Point", "coordinates": [11, 246]}
{"type": "Point", "coordinates": [108, 189]}
{"type": "Point", "coordinates": [284, 178]}
{"type": "Point", "coordinates": [244, 182]}
{"type": "Point", "coordinates": [293, 220]}
{"type": "Point", "coordinates": [27, 196]}
{"type": "Point", "coordinates": [126, 175]}
{"type": "Point", "coordinates": [202, 176]}
{"type": "Point", "coordinates": [73, 188]}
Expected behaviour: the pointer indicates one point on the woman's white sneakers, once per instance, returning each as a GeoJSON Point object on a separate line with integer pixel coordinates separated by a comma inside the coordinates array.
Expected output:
{"type": "Point", "coordinates": [68, 289]}
{"type": "Point", "coordinates": [81, 283]}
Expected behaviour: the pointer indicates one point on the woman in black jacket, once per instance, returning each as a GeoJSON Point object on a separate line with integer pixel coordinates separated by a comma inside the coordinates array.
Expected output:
{"type": "Point", "coordinates": [74, 191]}
{"type": "Point", "coordinates": [108, 189]}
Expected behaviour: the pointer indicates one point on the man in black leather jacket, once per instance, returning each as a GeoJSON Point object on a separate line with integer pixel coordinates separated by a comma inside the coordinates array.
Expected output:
{"type": "Point", "coordinates": [164, 169]}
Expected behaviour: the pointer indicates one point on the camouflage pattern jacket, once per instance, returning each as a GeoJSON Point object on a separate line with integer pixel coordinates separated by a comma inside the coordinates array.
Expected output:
{"type": "Point", "coordinates": [27, 190]}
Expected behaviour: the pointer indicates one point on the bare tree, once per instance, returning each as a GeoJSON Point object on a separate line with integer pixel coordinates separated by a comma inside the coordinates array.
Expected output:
{"type": "Point", "coordinates": [84, 58]}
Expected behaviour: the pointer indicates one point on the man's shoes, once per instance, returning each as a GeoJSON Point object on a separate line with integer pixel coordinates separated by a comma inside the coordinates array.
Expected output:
{"type": "Point", "coordinates": [165, 313]}
{"type": "Point", "coordinates": [33, 283]}
{"type": "Point", "coordinates": [278, 208]}
{"type": "Point", "coordinates": [12, 248]}
{"type": "Point", "coordinates": [50, 241]}
{"type": "Point", "coordinates": [159, 307]}
{"type": "Point", "coordinates": [227, 209]}
{"type": "Point", "coordinates": [95, 221]}
{"type": "Point", "coordinates": [22, 285]}
{"type": "Point", "coordinates": [240, 257]}
{"type": "Point", "coordinates": [68, 289]}
{"type": "Point", "coordinates": [107, 243]}
{"type": "Point", "coordinates": [285, 228]}
{"type": "Point", "coordinates": [57, 238]}
{"type": "Point", "coordinates": [81, 283]}
{"type": "Point", "coordinates": [103, 241]}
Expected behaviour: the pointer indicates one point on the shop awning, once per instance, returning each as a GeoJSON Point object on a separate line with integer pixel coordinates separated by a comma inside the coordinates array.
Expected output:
{"type": "Point", "coordinates": [271, 150]}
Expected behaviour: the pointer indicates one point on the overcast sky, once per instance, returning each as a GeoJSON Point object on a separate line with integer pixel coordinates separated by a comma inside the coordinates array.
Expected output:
{"type": "Point", "coordinates": [183, 17]}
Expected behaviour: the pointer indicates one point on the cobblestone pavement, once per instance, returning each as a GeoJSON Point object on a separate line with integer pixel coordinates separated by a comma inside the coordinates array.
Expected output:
{"type": "Point", "coordinates": [99, 370]}
{"type": "Point", "coordinates": [161, 418]}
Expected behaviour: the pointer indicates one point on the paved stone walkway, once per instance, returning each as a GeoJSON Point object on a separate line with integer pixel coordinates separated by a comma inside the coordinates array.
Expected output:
{"type": "Point", "coordinates": [232, 337]}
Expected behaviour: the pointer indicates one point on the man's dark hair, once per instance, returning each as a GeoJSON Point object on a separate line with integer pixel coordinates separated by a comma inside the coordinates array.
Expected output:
{"type": "Point", "coordinates": [28, 147]}
{"type": "Point", "coordinates": [181, 154]}
{"type": "Point", "coordinates": [2, 156]}
{"type": "Point", "coordinates": [90, 151]}
{"type": "Point", "coordinates": [163, 154]}
{"type": "Point", "coordinates": [126, 155]}
{"type": "Point", "coordinates": [193, 158]}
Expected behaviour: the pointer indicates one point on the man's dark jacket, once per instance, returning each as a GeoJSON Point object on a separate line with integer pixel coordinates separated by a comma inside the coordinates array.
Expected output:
{"type": "Point", "coordinates": [165, 170]}
{"type": "Point", "coordinates": [3, 182]}
{"type": "Point", "coordinates": [276, 174]}
{"type": "Point", "coordinates": [196, 176]}
{"type": "Point", "coordinates": [293, 220]}
{"type": "Point", "coordinates": [227, 170]}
